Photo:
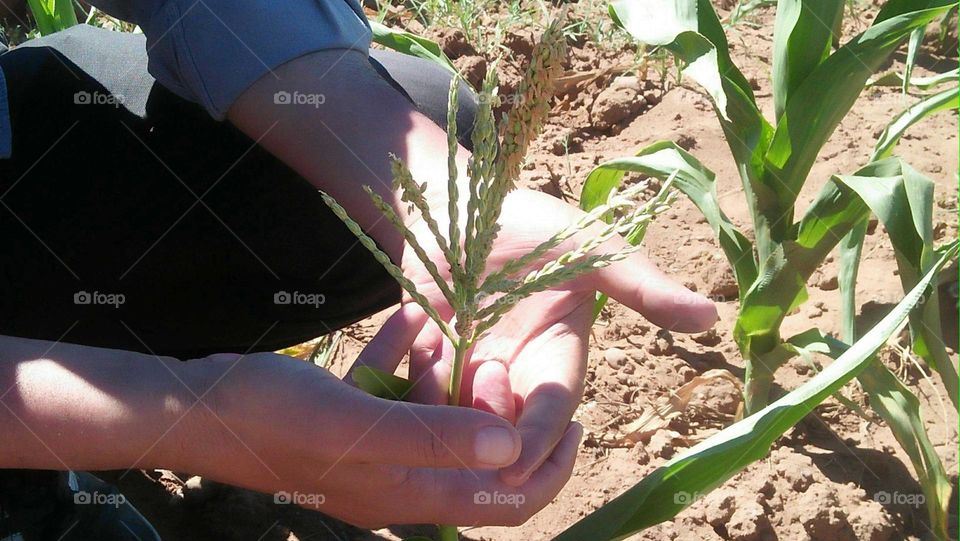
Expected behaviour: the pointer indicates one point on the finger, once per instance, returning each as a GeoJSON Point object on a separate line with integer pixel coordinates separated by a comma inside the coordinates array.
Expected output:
{"type": "Point", "coordinates": [383, 432]}
{"type": "Point", "coordinates": [430, 370]}
{"type": "Point", "coordinates": [460, 497]}
{"type": "Point", "coordinates": [492, 391]}
{"type": "Point", "coordinates": [640, 285]}
{"type": "Point", "coordinates": [543, 422]}
{"type": "Point", "coordinates": [392, 341]}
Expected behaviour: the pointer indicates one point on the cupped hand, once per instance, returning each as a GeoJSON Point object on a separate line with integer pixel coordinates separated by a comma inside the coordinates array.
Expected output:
{"type": "Point", "coordinates": [529, 368]}
{"type": "Point", "coordinates": [278, 425]}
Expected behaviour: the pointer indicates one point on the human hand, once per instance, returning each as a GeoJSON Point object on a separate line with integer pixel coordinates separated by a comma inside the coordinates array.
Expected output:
{"type": "Point", "coordinates": [283, 426]}
{"type": "Point", "coordinates": [530, 367]}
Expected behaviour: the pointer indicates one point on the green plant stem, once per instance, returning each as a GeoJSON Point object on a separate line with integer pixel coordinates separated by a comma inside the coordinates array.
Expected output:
{"type": "Point", "coordinates": [448, 533]}
{"type": "Point", "coordinates": [460, 347]}
{"type": "Point", "coordinates": [53, 15]}
{"type": "Point", "coordinates": [456, 372]}
{"type": "Point", "coordinates": [760, 369]}
{"type": "Point", "coordinates": [756, 389]}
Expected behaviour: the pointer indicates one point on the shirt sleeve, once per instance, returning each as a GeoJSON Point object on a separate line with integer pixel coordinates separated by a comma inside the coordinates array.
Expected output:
{"type": "Point", "coordinates": [210, 51]}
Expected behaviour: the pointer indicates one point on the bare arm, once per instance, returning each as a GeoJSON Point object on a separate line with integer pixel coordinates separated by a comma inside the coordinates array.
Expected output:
{"type": "Point", "coordinates": [66, 406]}
{"type": "Point", "coordinates": [344, 144]}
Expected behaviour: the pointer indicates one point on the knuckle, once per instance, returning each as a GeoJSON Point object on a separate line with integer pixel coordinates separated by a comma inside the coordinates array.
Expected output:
{"type": "Point", "coordinates": [431, 446]}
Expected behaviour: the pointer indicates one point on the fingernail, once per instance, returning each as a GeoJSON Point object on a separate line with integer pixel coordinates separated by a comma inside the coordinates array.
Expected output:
{"type": "Point", "coordinates": [495, 446]}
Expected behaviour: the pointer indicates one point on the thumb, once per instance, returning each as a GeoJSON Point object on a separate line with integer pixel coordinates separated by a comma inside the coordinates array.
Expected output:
{"type": "Point", "coordinates": [417, 435]}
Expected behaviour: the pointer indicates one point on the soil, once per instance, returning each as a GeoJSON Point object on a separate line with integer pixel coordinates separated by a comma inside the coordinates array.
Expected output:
{"type": "Point", "coordinates": [826, 478]}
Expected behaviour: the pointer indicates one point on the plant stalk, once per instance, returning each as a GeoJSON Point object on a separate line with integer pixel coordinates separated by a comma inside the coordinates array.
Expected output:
{"type": "Point", "coordinates": [456, 372]}
{"type": "Point", "coordinates": [760, 369]}
{"type": "Point", "coordinates": [460, 347]}
{"type": "Point", "coordinates": [448, 533]}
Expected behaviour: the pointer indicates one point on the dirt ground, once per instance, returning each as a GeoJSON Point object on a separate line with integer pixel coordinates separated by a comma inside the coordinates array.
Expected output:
{"type": "Point", "coordinates": [825, 479]}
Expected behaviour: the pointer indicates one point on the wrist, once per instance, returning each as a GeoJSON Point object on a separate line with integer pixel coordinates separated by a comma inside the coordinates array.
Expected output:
{"type": "Point", "coordinates": [189, 416]}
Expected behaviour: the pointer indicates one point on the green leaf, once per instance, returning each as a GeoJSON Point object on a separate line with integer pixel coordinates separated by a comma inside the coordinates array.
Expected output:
{"type": "Point", "coordinates": [913, 50]}
{"type": "Point", "coordinates": [902, 199]}
{"type": "Point", "coordinates": [852, 245]}
{"type": "Point", "coordinates": [53, 15]}
{"type": "Point", "coordinates": [781, 286]}
{"type": "Point", "coordinates": [802, 36]}
{"type": "Point", "coordinates": [900, 408]}
{"type": "Point", "coordinates": [668, 489]}
{"type": "Point", "coordinates": [411, 44]}
{"type": "Point", "coordinates": [691, 177]}
{"type": "Point", "coordinates": [934, 103]}
{"type": "Point", "coordinates": [381, 384]}
{"type": "Point", "coordinates": [818, 105]}
{"type": "Point", "coordinates": [850, 249]}
{"type": "Point", "coordinates": [921, 83]}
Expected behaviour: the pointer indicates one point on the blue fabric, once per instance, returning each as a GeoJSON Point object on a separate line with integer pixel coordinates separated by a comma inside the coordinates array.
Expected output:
{"type": "Point", "coordinates": [210, 51]}
{"type": "Point", "coordinates": [6, 131]}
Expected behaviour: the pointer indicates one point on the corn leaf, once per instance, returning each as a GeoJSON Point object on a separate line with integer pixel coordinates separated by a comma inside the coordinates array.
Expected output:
{"type": "Point", "coordinates": [934, 103]}
{"type": "Point", "coordinates": [802, 36]}
{"type": "Point", "coordinates": [380, 383]}
{"type": "Point", "coordinates": [781, 286]}
{"type": "Point", "coordinates": [711, 462]}
{"type": "Point", "coordinates": [852, 244]}
{"type": "Point", "coordinates": [921, 83]}
{"type": "Point", "coordinates": [913, 50]}
{"type": "Point", "coordinates": [411, 44]}
{"type": "Point", "coordinates": [52, 15]}
{"type": "Point", "coordinates": [902, 199]}
{"type": "Point", "coordinates": [851, 247]}
{"type": "Point", "coordinates": [818, 105]}
{"type": "Point", "coordinates": [900, 408]}
{"type": "Point", "coordinates": [691, 177]}
{"type": "Point", "coordinates": [702, 46]}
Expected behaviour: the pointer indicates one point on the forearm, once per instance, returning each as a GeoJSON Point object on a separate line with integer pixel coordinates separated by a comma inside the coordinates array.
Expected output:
{"type": "Point", "coordinates": [345, 143]}
{"type": "Point", "coordinates": [65, 406]}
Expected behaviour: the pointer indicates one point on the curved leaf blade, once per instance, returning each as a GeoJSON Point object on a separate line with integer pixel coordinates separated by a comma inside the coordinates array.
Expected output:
{"type": "Point", "coordinates": [820, 103]}
{"type": "Point", "coordinates": [663, 160]}
{"type": "Point", "coordinates": [929, 105]}
{"type": "Point", "coordinates": [902, 199]}
{"type": "Point", "coordinates": [411, 44]}
{"type": "Point", "coordinates": [697, 470]}
{"type": "Point", "coordinates": [802, 36]}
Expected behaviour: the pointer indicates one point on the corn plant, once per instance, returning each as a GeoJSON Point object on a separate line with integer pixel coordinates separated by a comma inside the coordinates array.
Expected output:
{"type": "Point", "coordinates": [473, 289]}
{"type": "Point", "coordinates": [52, 15]}
{"type": "Point", "coordinates": [718, 458]}
{"type": "Point", "coordinates": [812, 90]}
